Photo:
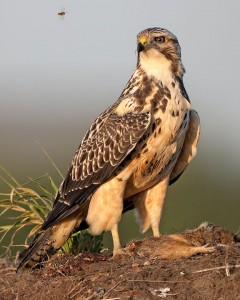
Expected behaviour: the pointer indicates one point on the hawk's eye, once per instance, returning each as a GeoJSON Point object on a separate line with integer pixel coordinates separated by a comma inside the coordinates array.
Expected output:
{"type": "Point", "coordinates": [159, 39]}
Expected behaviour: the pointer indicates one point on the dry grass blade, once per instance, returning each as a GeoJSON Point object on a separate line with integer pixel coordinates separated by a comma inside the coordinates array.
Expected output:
{"type": "Point", "coordinates": [9, 175]}
{"type": "Point", "coordinates": [28, 192]}
{"type": "Point", "coordinates": [51, 160]}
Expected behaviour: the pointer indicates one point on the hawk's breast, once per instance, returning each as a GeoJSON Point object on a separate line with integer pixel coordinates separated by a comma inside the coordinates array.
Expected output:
{"type": "Point", "coordinates": [157, 153]}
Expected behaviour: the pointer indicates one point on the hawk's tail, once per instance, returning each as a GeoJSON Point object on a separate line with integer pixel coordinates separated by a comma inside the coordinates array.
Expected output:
{"type": "Point", "coordinates": [40, 250]}
{"type": "Point", "coordinates": [46, 243]}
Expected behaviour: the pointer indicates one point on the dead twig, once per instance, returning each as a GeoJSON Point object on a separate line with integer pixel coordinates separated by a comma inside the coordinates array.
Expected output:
{"type": "Point", "coordinates": [227, 269]}
{"type": "Point", "coordinates": [58, 271]}
{"type": "Point", "coordinates": [112, 288]}
{"type": "Point", "coordinates": [75, 287]}
{"type": "Point", "coordinates": [227, 265]}
{"type": "Point", "coordinates": [78, 292]}
{"type": "Point", "coordinates": [157, 281]}
{"type": "Point", "coordinates": [217, 268]}
{"type": "Point", "coordinates": [141, 280]}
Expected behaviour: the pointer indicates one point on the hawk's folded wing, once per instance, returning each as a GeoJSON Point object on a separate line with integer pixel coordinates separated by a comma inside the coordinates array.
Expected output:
{"type": "Point", "coordinates": [189, 149]}
{"type": "Point", "coordinates": [108, 141]}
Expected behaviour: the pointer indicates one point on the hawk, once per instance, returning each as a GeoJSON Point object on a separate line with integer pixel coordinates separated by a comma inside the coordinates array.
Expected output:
{"type": "Point", "coordinates": [130, 155]}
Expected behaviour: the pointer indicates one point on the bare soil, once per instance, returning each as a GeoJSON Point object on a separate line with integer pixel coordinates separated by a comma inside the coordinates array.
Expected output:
{"type": "Point", "coordinates": [138, 275]}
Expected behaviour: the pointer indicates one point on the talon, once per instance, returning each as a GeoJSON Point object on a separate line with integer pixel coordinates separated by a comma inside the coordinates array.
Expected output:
{"type": "Point", "coordinates": [117, 252]}
{"type": "Point", "coordinates": [119, 255]}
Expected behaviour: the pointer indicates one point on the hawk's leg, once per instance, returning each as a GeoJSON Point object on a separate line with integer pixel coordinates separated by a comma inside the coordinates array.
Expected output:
{"type": "Point", "coordinates": [149, 206]}
{"type": "Point", "coordinates": [117, 249]}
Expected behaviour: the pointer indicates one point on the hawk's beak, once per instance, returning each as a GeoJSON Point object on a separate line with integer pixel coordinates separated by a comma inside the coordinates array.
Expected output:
{"type": "Point", "coordinates": [142, 43]}
{"type": "Point", "coordinates": [140, 47]}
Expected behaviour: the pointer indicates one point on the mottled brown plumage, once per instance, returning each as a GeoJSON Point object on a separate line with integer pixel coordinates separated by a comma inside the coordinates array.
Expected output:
{"type": "Point", "coordinates": [130, 154]}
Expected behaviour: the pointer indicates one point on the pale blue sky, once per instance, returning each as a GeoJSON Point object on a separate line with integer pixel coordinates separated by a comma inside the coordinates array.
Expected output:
{"type": "Point", "coordinates": [58, 73]}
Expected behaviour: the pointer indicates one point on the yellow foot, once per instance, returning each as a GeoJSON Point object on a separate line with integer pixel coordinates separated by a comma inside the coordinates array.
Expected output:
{"type": "Point", "coordinates": [119, 251]}
{"type": "Point", "coordinates": [119, 254]}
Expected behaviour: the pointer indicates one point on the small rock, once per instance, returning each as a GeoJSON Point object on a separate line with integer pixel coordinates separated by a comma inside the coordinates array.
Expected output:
{"type": "Point", "coordinates": [147, 263]}
{"type": "Point", "coordinates": [134, 265]}
{"type": "Point", "coordinates": [89, 291]}
{"type": "Point", "coordinates": [182, 273]}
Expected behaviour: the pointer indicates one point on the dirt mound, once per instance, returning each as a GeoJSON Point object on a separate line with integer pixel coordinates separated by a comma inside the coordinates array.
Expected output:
{"type": "Point", "coordinates": [140, 274]}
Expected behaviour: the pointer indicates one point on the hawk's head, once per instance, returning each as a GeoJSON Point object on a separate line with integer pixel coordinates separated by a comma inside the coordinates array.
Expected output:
{"type": "Point", "coordinates": [157, 49]}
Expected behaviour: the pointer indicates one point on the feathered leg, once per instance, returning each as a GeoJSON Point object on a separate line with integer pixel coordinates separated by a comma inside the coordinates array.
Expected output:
{"type": "Point", "coordinates": [149, 206]}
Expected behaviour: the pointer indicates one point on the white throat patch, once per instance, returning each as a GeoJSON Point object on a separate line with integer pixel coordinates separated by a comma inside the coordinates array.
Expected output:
{"type": "Point", "coordinates": [156, 65]}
